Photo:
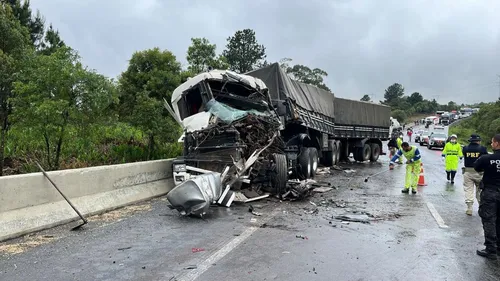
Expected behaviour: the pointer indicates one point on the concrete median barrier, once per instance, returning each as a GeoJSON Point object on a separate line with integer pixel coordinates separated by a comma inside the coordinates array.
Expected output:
{"type": "Point", "coordinates": [30, 203]}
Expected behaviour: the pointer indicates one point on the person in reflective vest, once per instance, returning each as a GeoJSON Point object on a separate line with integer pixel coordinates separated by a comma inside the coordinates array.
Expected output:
{"type": "Point", "coordinates": [452, 152]}
{"type": "Point", "coordinates": [413, 160]}
{"type": "Point", "coordinates": [471, 153]}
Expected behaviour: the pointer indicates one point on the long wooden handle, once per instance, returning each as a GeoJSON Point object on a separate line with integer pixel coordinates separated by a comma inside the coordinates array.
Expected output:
{"type": "Point", "coordinates": [67, 200]}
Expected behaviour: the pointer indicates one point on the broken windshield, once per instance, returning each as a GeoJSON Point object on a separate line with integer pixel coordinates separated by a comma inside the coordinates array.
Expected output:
{"type": "Point", "coordinates": [227, 113]}
{"type": "Point", "coordinates": [238, 95]}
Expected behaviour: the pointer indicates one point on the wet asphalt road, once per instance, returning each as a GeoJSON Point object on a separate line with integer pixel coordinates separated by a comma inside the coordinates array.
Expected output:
{"type": "Point", "coordinates": [290, 241]}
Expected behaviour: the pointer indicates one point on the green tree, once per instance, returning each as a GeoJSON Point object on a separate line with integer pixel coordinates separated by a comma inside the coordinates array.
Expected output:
{"type": "Point", "coordinates": [365, 98]}
{"type": "Point", "coordinates": [243, 52]}
{"type": "Point", "coordinates": [55, 92]}
{"type": "Point", "coordinates": [451, 106]}
{"type": "Point", "coordinates": [34, 23]}
{"type": "Point", "coordinates": [285, 63]}
{"type": "Point", "coordinates": [486, 123]}
{"type": "Point", "coordinates": [393, 94]}
{"type": "Point", "coordinates": [415, 98]}
{"type": "Point", "coordinates": [151, 76]}
{"type": "Point", "coordinates": [201, 55]}
{"type": "Point", "coordinates": [14, 45]}
{"type": "Point", "coordinates": [400, 115]}
{"type": "Point", "coordinates": [51, 42]}
{"type": "Point", "coordinates": [309, 76]}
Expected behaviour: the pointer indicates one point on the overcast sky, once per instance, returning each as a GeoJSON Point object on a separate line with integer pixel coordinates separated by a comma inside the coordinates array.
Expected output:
{"type": "Point", "coordinates": [446, 49]}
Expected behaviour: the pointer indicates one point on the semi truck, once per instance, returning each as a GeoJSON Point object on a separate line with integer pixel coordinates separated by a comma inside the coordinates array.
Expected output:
{"type": "Point", "coordinates": [269, 128]}
{"type": "Point", "coordinates": [445, 119]}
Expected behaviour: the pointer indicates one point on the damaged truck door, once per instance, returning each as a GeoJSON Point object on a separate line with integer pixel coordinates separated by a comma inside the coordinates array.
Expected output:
{"type": "Point", "coordinates": [267, 128]}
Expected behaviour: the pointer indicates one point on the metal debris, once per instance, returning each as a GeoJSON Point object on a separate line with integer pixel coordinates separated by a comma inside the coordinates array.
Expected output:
{"type": "Point", "coordinates": [322, 189]}
{"type": "Point", "coordinates": [252, 210]}
{"type": "Point", "coordinates": [354, 218]}
{"type": "Point", "coordinates": [299, 190]}
{"type": "Point", "coordinates": [194, 196]}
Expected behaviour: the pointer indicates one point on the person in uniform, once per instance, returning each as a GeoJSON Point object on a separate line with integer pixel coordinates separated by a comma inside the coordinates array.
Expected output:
{"type": "Point", "coordinates": [392, 145]}
{"type": "Point", "coordinates": [451, 154]}
{"type": "Point", "coordinates": [471, 153]}
{"type": "Point", "coordinates": [489, 203]}
{"type": "Point", "coordinates": [413, 160]}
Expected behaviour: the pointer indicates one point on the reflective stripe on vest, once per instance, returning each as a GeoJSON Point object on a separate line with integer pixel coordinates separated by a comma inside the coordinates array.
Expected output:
{"type": "Point", "coordinates": [410, 154]}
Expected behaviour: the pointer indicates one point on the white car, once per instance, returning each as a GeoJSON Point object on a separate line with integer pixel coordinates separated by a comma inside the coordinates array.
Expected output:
{"type": "Point", "coordinates": [437, 140]}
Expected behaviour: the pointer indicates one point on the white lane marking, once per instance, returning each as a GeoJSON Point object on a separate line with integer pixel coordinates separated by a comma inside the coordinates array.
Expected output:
{"type": "Point", "coordinates": [436, 215]}
{"type": "Point", "coordinates": [222, 252]}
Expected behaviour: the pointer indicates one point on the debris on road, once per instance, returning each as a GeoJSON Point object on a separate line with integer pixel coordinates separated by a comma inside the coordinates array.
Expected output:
{"type": "Point", "coordinates": [196, 250]}
{"type": "Point", "coordinates": [194, 196]}
{"type": "Point", "coordinates": [301, 237]}
{"type": "Point", "coordinates": [322, 189]}
{"type": "Point", "coordinates": [191, 267]}
{"type": "Point", "coordinates": [251, 210]}
{"type": "Point", "coordinates": [126, 248]}
{"type": "Point", "coordinates": [362, 218]}
{"type": "Point", "coordinates": [299, 190]}
{"type": "Point", "coordinates": [25, 243]}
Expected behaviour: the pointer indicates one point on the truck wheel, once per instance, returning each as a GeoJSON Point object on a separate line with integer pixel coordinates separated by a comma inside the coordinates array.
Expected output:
{"type": "Point", "coordinates": [280, 175]}
{"type": "Point", "coordinates": [375, 152]}
{"type": "Point", "coordinates": [367, 152]}
{"type": "Point", "coordinates": [344, 151]}
{"type": "Point", "coordinates": [358, 154]}
{"type": "Point", "coordinates": [313, 152]}
{"type": "Point", "coordinates": [339, 152]}
{"type": "Point", "coordinates": [329, 159]}
{"type": "Point", "coordinates": [304, 164]}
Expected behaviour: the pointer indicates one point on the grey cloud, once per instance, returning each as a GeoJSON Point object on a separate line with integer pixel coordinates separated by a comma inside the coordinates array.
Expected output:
{"type": "Point", "coordinates": [444, 49]}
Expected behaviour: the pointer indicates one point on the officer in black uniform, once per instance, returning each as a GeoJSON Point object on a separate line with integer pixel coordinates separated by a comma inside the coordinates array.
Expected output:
{"type": "Point", "coordinates": [472, 179]}
{"type": "Point", "coordinates": [489, 206]}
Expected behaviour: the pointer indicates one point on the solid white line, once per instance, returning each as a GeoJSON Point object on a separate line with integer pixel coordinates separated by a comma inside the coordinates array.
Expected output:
{"type": "Point", "coordinates": [222, 252]}
{"type": "Point", "coordinates": [436, 215]}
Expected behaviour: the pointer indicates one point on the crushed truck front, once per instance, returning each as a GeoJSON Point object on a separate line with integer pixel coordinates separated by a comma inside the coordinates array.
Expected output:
{"type": "Point", "coordinates": [227, 118]}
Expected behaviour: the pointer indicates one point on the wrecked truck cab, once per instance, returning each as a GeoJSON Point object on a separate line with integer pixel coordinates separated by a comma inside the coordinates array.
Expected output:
{"type": "Point", "coordinates": [229, 121]}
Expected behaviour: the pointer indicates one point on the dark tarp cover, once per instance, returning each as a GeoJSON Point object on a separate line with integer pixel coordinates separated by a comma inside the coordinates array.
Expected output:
{"type": "Point", "coordinates": [353, 112]}
{"type": "Point", "coordinates": [345, 111]}
{"type": "Point", "coordinates": [281, 86]}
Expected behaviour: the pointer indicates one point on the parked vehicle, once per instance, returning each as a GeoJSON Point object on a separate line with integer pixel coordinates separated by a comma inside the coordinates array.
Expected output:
{"type": "Point", "coordinates": [431, 120]}
{"type": "Point", "coordinates": [445, 119]}
{"type": "Point", "coordinates": [424, 138]}
{"type": "Point", "coordinates": [418, 134]}
{"type": "Point", "coordinates": [437, 140]}
{"type": "Point", "coordinates": [228, 118]}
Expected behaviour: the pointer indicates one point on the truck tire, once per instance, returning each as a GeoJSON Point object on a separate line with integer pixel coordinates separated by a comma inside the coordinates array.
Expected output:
{"type": "Point", "coordinates": [344, 151]}
{"type": "Point", "coordinates": [367, 152]}
{"type": "Point", "coordinates": [329, 159]}
{"type": "Point", "coordinates": [375, 152]}
{"type": "Point", "coordinates": [280, 175]}
{"type": "Point", "coordinates": [313, 152]}
{"type": "Point", "coordinates": [358, 154]}
{"type": "Point", "coordinates": [304, 164]}
{"type": "Point", "coordinates": [339, 152]}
